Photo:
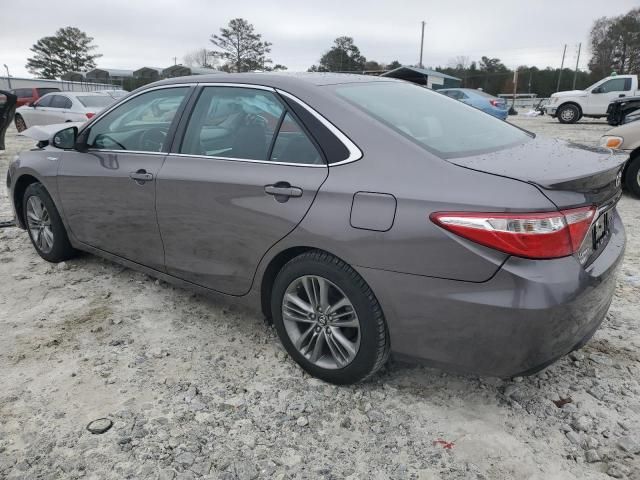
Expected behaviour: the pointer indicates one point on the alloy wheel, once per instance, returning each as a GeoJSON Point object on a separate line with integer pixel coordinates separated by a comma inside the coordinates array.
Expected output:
{"type": "Point", "coordinates": [321, 322]}
{"type": "Point", "coordinates": [20, 125]}
{"type": "Point", "coordinates": [39, 223]}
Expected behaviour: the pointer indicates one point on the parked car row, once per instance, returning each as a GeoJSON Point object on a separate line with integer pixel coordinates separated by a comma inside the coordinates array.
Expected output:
{"type": "Point", "coordinates": [60, 107]}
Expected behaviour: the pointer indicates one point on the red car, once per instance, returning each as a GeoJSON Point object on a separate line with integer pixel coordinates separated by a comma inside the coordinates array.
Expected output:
{"type": "Point", "coordinates": [31, 94]}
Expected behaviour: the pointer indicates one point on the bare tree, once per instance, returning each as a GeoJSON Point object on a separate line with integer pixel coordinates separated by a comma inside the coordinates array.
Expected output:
{"type": "Point", "coordinates": [201, 58]}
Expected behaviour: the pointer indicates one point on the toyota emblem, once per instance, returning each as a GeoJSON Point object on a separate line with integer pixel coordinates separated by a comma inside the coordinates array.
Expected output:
{"type": "Point", "coordinates": [619, 179]}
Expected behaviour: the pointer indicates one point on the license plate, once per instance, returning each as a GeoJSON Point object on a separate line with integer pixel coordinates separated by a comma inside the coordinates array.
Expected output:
{"type": "Point", "coordinates": [600, 230]}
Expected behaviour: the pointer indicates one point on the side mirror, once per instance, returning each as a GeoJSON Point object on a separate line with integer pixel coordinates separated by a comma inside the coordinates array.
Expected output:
{"type": "Point", "coordinates": [32, 104]}
{"type": "Point", "coordinates": [81, 141]}
{"type": "Point", "coordinates": [597, 90]}
{"type": "Point", "coordinates": [65, 139]}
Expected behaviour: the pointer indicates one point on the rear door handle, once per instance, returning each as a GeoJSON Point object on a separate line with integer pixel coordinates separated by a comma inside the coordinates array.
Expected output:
{"type": "Point", "coordinates": [282, 191]}
{"type": "Point", "coordinates": [141, 176]}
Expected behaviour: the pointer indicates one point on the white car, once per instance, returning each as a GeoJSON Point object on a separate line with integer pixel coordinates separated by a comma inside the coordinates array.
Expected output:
{"type": "Point", "coordinates": [61, 107]}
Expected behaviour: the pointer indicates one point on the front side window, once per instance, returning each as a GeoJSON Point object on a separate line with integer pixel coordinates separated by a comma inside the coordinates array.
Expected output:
{"type": "Point", "coordinates": [447, 129]}
{"type": "Point", "coordinates": [45, 101]}
{"type": "Point", "coordinates": [233, 122]}
{"type": "Point", "coordinates": [141, 124]}
{"type": "Point", "coordinates": [616, 85]}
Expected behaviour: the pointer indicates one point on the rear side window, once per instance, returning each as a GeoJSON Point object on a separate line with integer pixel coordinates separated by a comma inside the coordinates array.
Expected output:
{"type": "Point", "coordinates": [233, 122]}
{"type": "Point", "coordinates": [96, 101]}
{"type": "Point", "coordinates": [293, 146]}
{"type": "Point", "coordinates": [59, 101]}
{"type": "Point", "coordinates": [23, 92]}
{"type": "Point", "coordinates": [447, 129]}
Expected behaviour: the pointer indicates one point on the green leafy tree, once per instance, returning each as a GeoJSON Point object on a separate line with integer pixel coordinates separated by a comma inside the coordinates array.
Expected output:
{"type": "Point", "coordinates": [242, 47]}
{"type": "Point", "coordinates": [344, 56]}
{"type": "Point", "coordinates": [69, 50]}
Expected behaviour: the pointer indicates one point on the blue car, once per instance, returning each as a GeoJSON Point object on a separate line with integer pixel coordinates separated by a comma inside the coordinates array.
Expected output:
{"type": "Point", "coordinates": [481, 100]}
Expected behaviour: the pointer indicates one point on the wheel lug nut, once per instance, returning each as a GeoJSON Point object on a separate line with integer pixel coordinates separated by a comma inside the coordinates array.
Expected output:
{"type": "Point", "coordinates": [318, 329]}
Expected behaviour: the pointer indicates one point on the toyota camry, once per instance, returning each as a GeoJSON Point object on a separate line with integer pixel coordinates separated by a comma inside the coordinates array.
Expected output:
{"type": "Point", "coordinates": [362, 215]}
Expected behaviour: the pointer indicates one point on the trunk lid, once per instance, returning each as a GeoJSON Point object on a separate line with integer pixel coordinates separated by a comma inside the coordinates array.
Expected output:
{"type": "Point", "coordinates": [568, 174]}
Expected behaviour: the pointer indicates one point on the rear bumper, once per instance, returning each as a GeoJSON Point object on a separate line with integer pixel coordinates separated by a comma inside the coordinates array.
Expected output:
{"type": "Point", "coordinates": [549, 110]}
{"type": "Point", "coordinates": [529, 314]}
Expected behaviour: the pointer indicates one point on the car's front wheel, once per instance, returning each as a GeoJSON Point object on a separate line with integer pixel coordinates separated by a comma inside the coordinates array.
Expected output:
{"type": "Point", "coordinates": [568, 114]}
{"type": "Point", "coordinates": [632, 176]}
{"type": "Point", "coordinates": [45, 227]}
{"type": "Point", "coordinates": [328, 319]}
{"type": "Point", "coordinates": [21, 125]}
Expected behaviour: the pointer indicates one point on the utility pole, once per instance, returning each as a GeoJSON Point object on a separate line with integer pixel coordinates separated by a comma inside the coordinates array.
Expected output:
{"type": "Point", "coordinates": [8, 75]}
{"type": "Point", "coordinates": [575, 74]}
{"type": "Point", "coordinates": [175, 60]}
{"type": "Point", "coordinates": [561, 67]}
{"type": "Point", "coordinates": [515, 88]}
{"type": "Point", "coordinates": [422, 43]}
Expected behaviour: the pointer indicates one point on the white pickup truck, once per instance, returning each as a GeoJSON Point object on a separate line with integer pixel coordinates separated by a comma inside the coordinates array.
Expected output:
{"type": "Point", "coordinates": [571, 106]}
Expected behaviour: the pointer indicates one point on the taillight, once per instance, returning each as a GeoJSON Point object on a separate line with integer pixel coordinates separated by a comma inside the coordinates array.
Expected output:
{"type": "Point", "coordinates": [495, 103]}
{"type": "Point", "coordinates": [90, 115]}
{"type": "Point", "coordinates": [529, 235]}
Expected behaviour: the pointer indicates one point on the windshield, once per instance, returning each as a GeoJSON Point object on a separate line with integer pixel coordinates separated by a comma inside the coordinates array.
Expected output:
{"type": "Point", "coordinates": [443, 126]}
{"type": "Point", "coordinates": [95, 101]}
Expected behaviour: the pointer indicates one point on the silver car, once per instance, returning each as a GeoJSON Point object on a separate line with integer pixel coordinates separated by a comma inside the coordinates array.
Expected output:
{"type": "Point", "coordinates": [60, 107]}
{"type": "Point", "coordinates": [362, 215]}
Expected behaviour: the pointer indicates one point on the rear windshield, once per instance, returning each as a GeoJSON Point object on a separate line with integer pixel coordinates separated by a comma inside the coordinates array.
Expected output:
{"type": "Point", "coordinates": [96, 101]}
{"type": "Point", "coordinates": [443, 126]}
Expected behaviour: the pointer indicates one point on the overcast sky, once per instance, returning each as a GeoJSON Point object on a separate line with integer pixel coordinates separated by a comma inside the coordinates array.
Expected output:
{"type": "Point", "coordinates": [135, 33]}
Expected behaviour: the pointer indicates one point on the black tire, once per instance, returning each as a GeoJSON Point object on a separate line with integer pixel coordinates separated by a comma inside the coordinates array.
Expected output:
{"type": "Point", "coordinates": [632, 176]}
{"type": "Point", "coordinates": [374, 344]}
{"type": "Point", "coordinates": [21, 125]}
{"type": "Point", "coordinates": [568, 114]}
{"type": "Point", "coordinates": [61, 248]}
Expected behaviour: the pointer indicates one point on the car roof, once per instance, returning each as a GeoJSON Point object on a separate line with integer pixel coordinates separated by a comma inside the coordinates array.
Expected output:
{"type": "Point", "coordinates": [278, 78]}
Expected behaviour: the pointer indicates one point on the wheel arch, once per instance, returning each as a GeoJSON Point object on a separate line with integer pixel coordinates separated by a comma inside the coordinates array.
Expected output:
{"type": "Point", "coordinates": [19, 188]}
{"type": "Point", "coordinates": [271, 271]}
{"type": "Point", "coordinates": [570, 102]}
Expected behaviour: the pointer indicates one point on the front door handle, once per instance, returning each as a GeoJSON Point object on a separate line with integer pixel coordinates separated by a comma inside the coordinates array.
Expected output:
{"type": "Point", "coordinates": [282, 191]}
{"type": "Point", "coordinates": [141, 176]}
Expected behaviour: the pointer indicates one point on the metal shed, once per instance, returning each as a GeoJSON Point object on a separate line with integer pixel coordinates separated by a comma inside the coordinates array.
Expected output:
{"type": "Point", "coordinates": [424, 76]}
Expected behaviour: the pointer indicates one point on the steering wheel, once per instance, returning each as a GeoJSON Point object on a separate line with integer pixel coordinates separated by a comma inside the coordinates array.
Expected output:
{"type": "Point", "coordinates": [153, 139]}
{"type": "Point", "coordinates": [111, 139]}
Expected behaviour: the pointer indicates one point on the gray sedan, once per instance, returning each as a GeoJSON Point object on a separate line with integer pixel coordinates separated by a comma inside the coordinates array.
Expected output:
{"type": "Point", "coordinates": [362, 215]}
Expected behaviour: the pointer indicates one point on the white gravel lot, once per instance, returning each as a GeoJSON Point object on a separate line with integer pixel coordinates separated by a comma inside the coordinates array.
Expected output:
{"type": "Point", "coordinates": [197, 390]}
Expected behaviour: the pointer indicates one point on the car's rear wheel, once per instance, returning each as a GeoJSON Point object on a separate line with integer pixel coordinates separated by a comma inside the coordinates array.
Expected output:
{"type": "Point", "coordinates": [568, 114]}
{"type": "Point", "coordinates": [632, 176]}
{"type": "Point", "coordinates": [45, 227]}
{"type": "Point", "coordinates": [21, 125]}
{"type": "Point", "coordinates": [328, 319]}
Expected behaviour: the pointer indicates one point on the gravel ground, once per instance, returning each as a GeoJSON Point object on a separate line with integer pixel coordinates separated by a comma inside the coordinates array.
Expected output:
{"type": "Point", "coordinates": [197, 390]}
